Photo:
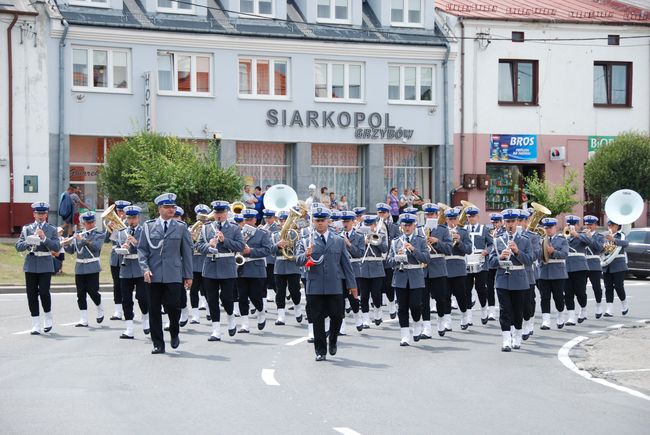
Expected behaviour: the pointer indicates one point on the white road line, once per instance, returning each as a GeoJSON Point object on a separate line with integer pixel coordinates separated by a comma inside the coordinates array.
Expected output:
{"type": "Point", "coordinates": [346, 431]}
{"type": "Point", "coordinates": [643, 321]}
{"type": "Point", "coordinates": [627, 371]}
{"type": "Point", "coordinates": [617, 326]}
{"type": "Point", "coordinates": [23, 332]}
{"type": "Point", "coordinates": [296, 341]}
{"type": "Point", "coordinates": [597, 332]}
{"type": "Point", "coordinates": [563, 356]}
{"type": "Point", "coordinates": [268, 376]}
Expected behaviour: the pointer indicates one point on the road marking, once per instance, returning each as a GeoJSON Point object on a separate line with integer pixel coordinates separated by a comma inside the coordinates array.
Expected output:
{"type": "Point", "coordinates": [597, 332]}
{"type": "Point", "coordinates": [268, 376]}
{"type": "Point", "coordinates": [563, 356]}
{"type": "Point", "coordinates": [23, 332]}
{"type": "Point", "coordinates": [346, 431]}
{"type": "Point", "coordinates": [627, 371]}
{"type": "Point", "coordinates": [296, 341]}
{"type": "Point", "coordinates": [643, 321]}
{"type": "Point", "coordinates": [617, 326]}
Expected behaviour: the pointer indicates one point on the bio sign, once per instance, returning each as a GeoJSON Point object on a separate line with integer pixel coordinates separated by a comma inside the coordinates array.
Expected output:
{"type": "Point", "coordinates": [595, 142]}
{"type": "Point", "coordinates": [513, 147]}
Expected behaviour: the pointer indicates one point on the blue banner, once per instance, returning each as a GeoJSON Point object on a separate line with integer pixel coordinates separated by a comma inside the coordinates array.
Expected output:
{"type": "Point", "coordinates": [513, 147]}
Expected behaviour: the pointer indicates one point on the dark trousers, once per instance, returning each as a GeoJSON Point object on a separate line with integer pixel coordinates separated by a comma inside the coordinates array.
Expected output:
{"type": "Point", "coordinates": [614, 281]}
{"type": "Point", "coordinates": [436, 287]}
{"type": "Point", "coordinates": [409, 299]}
{"type": "Point", "coordinates": [88, 284]}
{"type": "Point", "coordinates": [456, 287]}
{"type": "Point", "coordinates": [38, 284]}
{"type": "Point", "coordinates": [354, 302]}
{"type": "Point", "coordinates": [167, 295]}
{"type": "Point", "coordinates": [292, 281]}
{"type": "Point", "coordinates": [216, 289]}
{"type": "Point", "coordinates": [548, 287]}
{"type": "Point", "coordinates": [478, 281]}
{"type": "Point", "coordinates": [388, 288]}
{"type": "Point", "coordinates": [250, 288]}
{"type": "Point", "coordinates": [511, 308]}
{"type": "Point", "coordinates": [529, 303]}
{"type": "Point", "coordinates": [595, 277]}
{"type": "Point", "coordinates": [575, 287]}
{"type": "Point", "coordinates": [320, 307]}
{"type": "Point", "coordinates": [270, 277]}
{"type": "Point", "coordinates": [489, 285]}
{"type": "Point", "coordinates": [128, 285]}
{"type": "Point", "coordinates": [117, 293]}
{"type": "Point", "coordinates": [197, 287]}
{"type": "Point", "coordinates": [370, 287]}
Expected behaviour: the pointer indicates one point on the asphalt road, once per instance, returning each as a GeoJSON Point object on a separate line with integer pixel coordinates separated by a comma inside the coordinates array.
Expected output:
{"type": "Point", "coordinates": [78, 380]}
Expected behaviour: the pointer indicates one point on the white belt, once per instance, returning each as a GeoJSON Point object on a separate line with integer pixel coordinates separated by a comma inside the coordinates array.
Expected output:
{"type": "Point", "coordinates": [556, 261]}
{"type": "Point", "coordinates": [131, 257]}
{"type": "Point", "coordinates": [621, 256]}
{"type": "Point", "coordinates": [455, 257]}
{"type": "Point", "coordinates": [197, 254]}
{"type": "Point", "coordinates": [222, 255]}
{"type": "Point", "coordinates": [436, 255]}
{"type": "Point", "coordinates": [88, 260]}
{"type": "Point", "coordinates": [593, 257]}
{"type": "Point", "coordinates": [411, 266]}
{"type": "Point", "coordinates": [513, 268]}
{"type": "Point", "coordinates": [576, 254]}
{"type": "Point", "coordinates": [362, 260]}
{"type": "Point", "coordinates": [248, 260]}
{"type": "Point", "coordinates": [41, 253]}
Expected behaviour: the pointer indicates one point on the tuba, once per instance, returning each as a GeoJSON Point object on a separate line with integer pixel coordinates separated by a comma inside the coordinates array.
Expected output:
{"type": "Point", "coordinates": [623, 207]}
{"type": "Point", "coordinates": [462, 219]}
{"type": "Point", "coordinates": [441, 213]}
{"type": "Point", "coordinates": [110, 216]}
{"type": "Point", "coordinates": [282, 197]}
{"type": "Point", "coordinates": [237, 207]}
{"type": "Point", "coordinates": [535, 219]}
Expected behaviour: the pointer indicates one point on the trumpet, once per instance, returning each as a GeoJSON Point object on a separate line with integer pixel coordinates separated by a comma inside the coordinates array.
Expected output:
{"type": "Point", "coordinates": [453, 231]}
{"type": "Point", "coordinates": [374, 239]}
{"type": "Point", "coordinates": [68, 240]}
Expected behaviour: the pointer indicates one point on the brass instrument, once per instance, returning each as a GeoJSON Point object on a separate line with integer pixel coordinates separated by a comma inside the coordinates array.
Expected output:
{"type": "Point", "coordinates": [374, 239]}
{"type": "Point", "coordinates": [546, 242]}
{"type": "Point", "coordinates": [195, 230]}
{"type": "Point", "coordinates": [462, 220]}
{"type": "Point", "coordinates": [441, 213]}
{"type": "Point", "coordinates": [566, 232]}
{"type": "Point", "coordinates": [453, 231]}
{"type": "Point", "coordinates": [282, 197]}
{"type": "Point", "coordinates": [110, 216]}
{"type": "Point", "coordinates": [68, 240]}
{"type": "Point", "coordinates": [237, 207]}
{"type": "Point", "coordinates": [536, 218]}
{"type": "Point", "coordinates": [623, 207]}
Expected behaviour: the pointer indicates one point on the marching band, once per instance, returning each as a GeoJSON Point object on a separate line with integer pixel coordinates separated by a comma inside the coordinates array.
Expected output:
{"type": "Point", "coordinates": [233, 262]}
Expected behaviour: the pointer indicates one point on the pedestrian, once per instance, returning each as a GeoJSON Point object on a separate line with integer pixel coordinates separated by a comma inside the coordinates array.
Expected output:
{"type": "Point", "coordinates": [596, 244]}
{"type": "Point", "coordinates": [248, 198]}
{"type": "Point", "coordinates": [287, 275]}
{"type": "Point", "coordinates": [40, 239]}
{"type": "Point", "coordinates": [497, 228]}
{"type": "Point", "coordinates": [392, 231]}
{"type": "Point", "coordinates": [417, 199]}
{"type": "Point", "coordinates": [393, 202]}
{"type": "Point", "coordinates": [481, 247]}
{"type": "Point", "coordinates": [333, 204]}
{"type": "Point", "coordinates": [66, 211]}
{"type": "Point", "coordinates": [552, 274]}
{"type": "Point", "coordinates": [577, 269]}
{"type": "Point", "coordinates": [259, 205]}
{"type": "Point", "coordinates": [614, 272]}
{"type": "Point", "coordinates": [355, 245]}
{"type": "Point", "coordinates": [165, 255]}
{"type": "Point", "coordinates": [406, 200]}
{"type": "Point", "coordinates": [324, 196]}
{"type": "Point", "coordinates": [114, 261]}
{"type": "Point", "coordinates": [371, 271]}
{"type": "Point", "coordinates": [533, 273]}
{"type": "Point", "coordinates": [197, 290]}
{"type": "Point", "coordinates": [76, 198]}
{"type": "Point", "coordinates": [457, 271]}
{"type": "Point", "coordinates": [343, 203]}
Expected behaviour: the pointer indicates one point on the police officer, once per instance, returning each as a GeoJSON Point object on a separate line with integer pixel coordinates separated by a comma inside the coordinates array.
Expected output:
{"type": "Point", "coordinates": [115, 261]}
{"type": "Point", "coordinates": [457, 270]}
{"type": "Point", "coordinates": [532, 270]}
{"type": "Point", "coordinates": [252, 274]}
{"type": "Point", "coordinates": [552, 274]}
{"type": "Point", "coordinates": [165, 256]}
{"type": "Point", "coordinates": [372, 273]}
{"type": "Point", "coordinates": [407, 254]}
{"type": "Point", "coordinates": [614, 272]}
{"type": "Point", "coordinates": [325, 256]}
{"type": "Point", "coordinates": [287, 275]}
{"type": "Point", "coordinates": [511, 253]}
{"type": "Point", "coordinates": [197, 290]}
{"type": "Point", "coordinates": [87, 246]}
{"type": "Point", "coordinates": [577, 269]}
{"type": "Point", "coordinates": [359, 213]}
{"type": "Point", "coordinates": [355, 245]}
{"type": "Point", "coordinates": [219, 241]}
{"type": "Point", "coordinates": [392, 229]}
{"type": "Point", "coordinates": [131, 275]}
{"type": "Point", "coordinates": [439, 245]}
{"type": "Point", "coordinates": [482, 245]}
{"type": "Point", "coordinates": [39, 239]}
{"type": "Point", "coordinates": [178, 216]}
{"type": "Point", "coordinates": [595, 273]}
{"type": "Point", "coordinates": [497, 228]}
{"type": "Point", "coordinates": [270, 225]}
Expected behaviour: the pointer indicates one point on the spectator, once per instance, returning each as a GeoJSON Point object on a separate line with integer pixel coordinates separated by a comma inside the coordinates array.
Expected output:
{"type": "Point", "coordinates": [393, 201]}
{"type": "Point", "coordinates": [259, 205]}
{"type": "Point", "coordinates": [66, 211]}
{"type": "Point", "coordinates": [417, 199]}
{"type": "Point", "coordinates": [78, 203]}
{"type": "Point", "coordinates": [332, 201]}
{"type": "Point", "coordinates": [324, 197]}
{"type": "Point", "coordinates": [406, 200]}
{"type": "Point", "coordinates": [248, 198]}
{"type": "Point", "coordinates": [343, 203]}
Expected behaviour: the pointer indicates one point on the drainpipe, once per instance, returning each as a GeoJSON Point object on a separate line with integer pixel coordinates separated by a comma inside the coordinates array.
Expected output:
{"type": "Point", "coordinates": [462, 96]}
{"type": "Point", "coordinates": [62, 147]}
{"type": "Point", "coordinates": [10, 118]}
{"type": "Point", "coordinates": [445, 92]}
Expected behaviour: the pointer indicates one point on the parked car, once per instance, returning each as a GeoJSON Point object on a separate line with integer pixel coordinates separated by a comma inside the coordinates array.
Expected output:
{"type": "Point", "coordinates": [638, 252]}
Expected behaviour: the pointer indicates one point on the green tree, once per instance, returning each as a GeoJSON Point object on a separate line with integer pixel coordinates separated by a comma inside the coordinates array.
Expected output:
{"type": "Point", "coordinates": [559, 198]}
{"type": "Point", "coordinates": [622, 164]}
{"type": "Point", "coordinates": [148, 164]}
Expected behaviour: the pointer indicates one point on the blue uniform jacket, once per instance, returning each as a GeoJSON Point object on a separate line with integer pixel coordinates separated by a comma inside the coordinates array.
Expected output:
{"type": "Point", "coordinates": [556, 267]}
{"type": "Point", "coordinates": [373, 265]}
{"type": "Point", "coordinates": [167, 256]}
{"type": "Point", "coordinates": [536, 250]}
{"type": "Point", "coordinates": [393, 233]}
{"type": "Point", "coordinates": [412, 277]}
{"type": "Point", "coordinates": [577, 260]}
{"type": "Point", "coordinates": [88, 250]}
{"type": "Point", "coordinates": [596, 243]}
{"type": "Point", "coordinates": [481, 240]}
{"type": "Point", "coordinates": [272, 229]}
{"type": "Point", "coordinates": [131, 267]}
{"type": "Point", "coordinates": [516, 279]}
{"type": "Point", "coordinates": [437, 264]}
{"type": "Point", "coordinates": [456, 265]}
{"type": "Point", "coordinates": [620, 262]}
{"type": "Point", "coordinates": [356, 249]}
{"type": "Point", "coordinates": [220, 267]}
{"type": "Point", "coordinates": [39, 263]}
{"type": "Point", "coordinates": [255, 265]}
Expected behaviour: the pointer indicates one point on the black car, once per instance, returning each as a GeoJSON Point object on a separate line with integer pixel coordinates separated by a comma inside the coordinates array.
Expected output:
{"type": "Point", "coordinates": [638, 252]}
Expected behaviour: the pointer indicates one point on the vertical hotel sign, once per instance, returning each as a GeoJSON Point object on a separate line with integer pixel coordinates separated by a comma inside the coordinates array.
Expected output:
{"type": "Point", "coordinates": [149, 101]}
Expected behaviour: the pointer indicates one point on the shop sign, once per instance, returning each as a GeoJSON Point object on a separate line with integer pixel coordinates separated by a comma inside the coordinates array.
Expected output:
{"type": "Point", "coordinates": [84, 173]}
{"type": "Point", "coordinates": [366, 126]}
{"type": "Point", "coordinates": [595, 142]}
{"type": "Point", "coordinates": [149, 102]}
{"type": "Point", "coordinates": [557, 153]}
{"type": "Point", "coordinates": [513, 147]}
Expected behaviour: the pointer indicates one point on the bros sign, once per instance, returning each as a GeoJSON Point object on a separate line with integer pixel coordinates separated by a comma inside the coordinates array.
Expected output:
{"type": "Point", "coordinates": [513, 147]}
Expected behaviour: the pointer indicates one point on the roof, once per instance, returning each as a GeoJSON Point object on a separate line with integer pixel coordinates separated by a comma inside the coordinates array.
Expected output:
{"type": "Point", "coordinates": [570, 11]}
{"type": "Point", "coordinates": [19, 6]}
{"type": "Point", "coordinates": [134, 15]}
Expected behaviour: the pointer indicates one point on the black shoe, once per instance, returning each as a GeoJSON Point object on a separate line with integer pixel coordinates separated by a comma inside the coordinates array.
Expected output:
{"type": "Point", "coordinates": [175, 342]}
{"type": "Point", "coordinates": [484, 321]}
{"type": "Point", "coordinates": [598, 316]}
{"type": "Point", "coordinates": [321, 357]}
{"type": "Point", "coordinates": [403, 343]}
{"type": "Point", "coordinates": [157, 350]}
{"type": "Point", "coordinates": [166, 328]}
{"type": "Point", "coordinates": [101, 319]}
{"type": "Point", "coordinates": [290, 308]}
{"type": "Point", "coordinates": [625, 312]}
{"type": "Point", "coordinates": [530, 334]}
{"type": "Point", "coordinates": [47, 329]}
{"type": "Point", "coordinates": [441, 333]}
{"type": "Point", "coordinates": [232, 332]}
{"type": "Point", "coordinates": [607, 315]}
{"type": "Point", "coordinates": [181, 324]}
{"type": "Point", "coordinates": [473, 303]}
{"type": "Point", "coordinates": [570, 324]}
{"type": "Point", "coordinates": [448, 330]}
{"type": "Point", "coordinates": [544, 328]}
{"type": "Point", "coordinates": [34, 333]}
{"type": "Point", "coordinates": [253, 311]}
{"type": "Point", "coordinates": [560, 326]}
{"type": "Point", "coordinates": [202, 309]}
{"type": "Point", "coordinates": [580, 320]}
{"type": "Point", "coordinates": [194, 322]}
{"type": "Point", "coordinates": [393, 315]}
{"type": "Point", "coordinates": [425, 337]}
{"type": "Point", "coordinates": [347, 310]}
{"type": "Point", "coordinates": [261, 326]}
{"type": "Point", "coordinates": [310, 340]}
{"type": "Point", "coordinates": [333, 349]}
{"type": "Point", "coordinates": [128, 337]}
{"type": "Point", "coordinates": [279, 323]}
{"type": "Point", "coordinates": [416, 338]}
{"type": "Point", "coordinates": [241, 331]}
{"type": "Point", "coordinates": [146, 331]}
{"type": "Point", "coordinates": [213, 338]}
{"type": "Point", "coordinates": [299, 319]}
{"type": "Point", "coordinates": [80, 325]}
{"type": "Point", "coordinates": [208, 318]}
{"type": "Point", "coordinates": [378, 322]}
{"type": "Point", "coordinates": [505, 349]}
{"type": "Point", "coordinates": [115, 318]}
{"type": "Point", "coordinates": [524, 337]}
{"type": "Point", "coordinates": [464, 327]}
{"type": "Point", "coordinates": [366, 326]}
{"type": "Point", "coordinates": [359, 328]}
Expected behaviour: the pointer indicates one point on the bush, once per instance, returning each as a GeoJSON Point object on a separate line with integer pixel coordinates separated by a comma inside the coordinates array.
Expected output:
{"type": "Point", "coordinates": [559, 198]}
{"type": "Point", "coordinates": [148, 164]}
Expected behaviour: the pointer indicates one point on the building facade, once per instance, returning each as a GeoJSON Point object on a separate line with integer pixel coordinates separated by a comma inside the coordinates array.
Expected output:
{"type": "Point", "coordinates": [539, 89]}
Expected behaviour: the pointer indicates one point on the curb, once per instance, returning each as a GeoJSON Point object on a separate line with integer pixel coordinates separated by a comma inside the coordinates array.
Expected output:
{"type": "Point", "coordinates": [60, 288]}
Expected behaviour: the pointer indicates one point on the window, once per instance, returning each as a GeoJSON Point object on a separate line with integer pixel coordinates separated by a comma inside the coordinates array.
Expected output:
{"type": "Point", "coordinates": [408, 167]}
{"type": "Point", "coordinates": [613, 84]}
{"type": "Point", "coordinates": [518, 37]}
{"type": "Point", "coordinates": [507, 185]}
{"type": "Point", "coordinates": [411, 84]}
{"type": "Point", "coordinates": [518, 82]}
{"type": "Point", "coordinates": [262, 163]}
{"type": "Point", "coordinates": [333, 10]}
{"type": "Point", "coordinates": [613, 40]}
{"type": "Point", "coordinates": [175, 7]}
{"type": "Point", "coordinates": [100, 69]}
{"type": "Point", "coordinates": [263, 77]}
{"type": "Point", "coordinates": [338, 81]}
{"type": "Point", "coordinates": [91, 3]}
{"type": "Point", "coordinates": [183, 73]}
{"type": "Point", "coordinates": [406, 12]}
{"type": "Point", "coordinates": [339, 167]}
{"type": "Point", "coordinates": [256, 7]}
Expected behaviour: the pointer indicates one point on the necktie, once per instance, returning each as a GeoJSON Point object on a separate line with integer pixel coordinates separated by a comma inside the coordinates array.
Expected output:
{"type": "Point", "coordinates": [131, 231]}
{"type": "Point", "coordinates": [322, 237]}
{"type": "Point", "coordinates": [219, 226]}
{"type": "Point", "coordinates": [165, 225]}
